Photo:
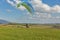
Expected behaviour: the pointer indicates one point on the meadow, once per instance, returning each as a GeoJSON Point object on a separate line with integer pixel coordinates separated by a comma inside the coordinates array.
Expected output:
{"type": "Point", "coordinates": [35, 32]}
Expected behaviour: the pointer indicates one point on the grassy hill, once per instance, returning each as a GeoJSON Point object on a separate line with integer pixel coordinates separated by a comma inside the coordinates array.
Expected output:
{"type": "Point", "coordinates": [35, 32]}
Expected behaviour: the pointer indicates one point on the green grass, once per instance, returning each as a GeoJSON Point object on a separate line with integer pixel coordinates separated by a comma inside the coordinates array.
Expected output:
{"type": "Point", "coordinates": [14, 33]}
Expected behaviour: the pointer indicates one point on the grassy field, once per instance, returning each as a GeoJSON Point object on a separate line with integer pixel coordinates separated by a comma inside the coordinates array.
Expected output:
{"type": "Point", "coordinates": [10, 32]}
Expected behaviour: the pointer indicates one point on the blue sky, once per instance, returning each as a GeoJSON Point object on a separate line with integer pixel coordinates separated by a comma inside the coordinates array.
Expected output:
{"type": "Point", "coordinates": [52, 2]}
{"type": "Point", "coordinates": [12, 14]}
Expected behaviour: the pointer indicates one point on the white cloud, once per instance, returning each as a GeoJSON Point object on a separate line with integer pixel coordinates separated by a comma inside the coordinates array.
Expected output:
{"type": "Point", "coordinates": [40, 7]}
{"type": "Point", "coordinates": [10, 2]}
{"type": "Point", "coordinates": [42, 10]}
{"type": "Point", "coordinates": [14, 4]}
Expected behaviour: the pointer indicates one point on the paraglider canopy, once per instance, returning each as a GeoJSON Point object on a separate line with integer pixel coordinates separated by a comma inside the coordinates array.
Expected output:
{"type": "Point", "coordinates": [27, 5]}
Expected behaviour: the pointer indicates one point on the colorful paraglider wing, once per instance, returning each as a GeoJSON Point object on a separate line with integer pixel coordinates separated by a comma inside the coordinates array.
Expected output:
{"type": "Point", "coordinates": [32, 9]}
{"type": "Point", "coordinates": [27, 7]}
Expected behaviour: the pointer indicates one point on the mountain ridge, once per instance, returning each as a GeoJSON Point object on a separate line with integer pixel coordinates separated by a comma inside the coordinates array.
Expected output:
{"type": "Point", "coordinates": [3, 21]}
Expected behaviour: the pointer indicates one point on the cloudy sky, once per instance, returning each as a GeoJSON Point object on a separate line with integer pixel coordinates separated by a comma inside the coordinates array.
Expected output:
{"type": "Point", "coordinates": [46, 11]}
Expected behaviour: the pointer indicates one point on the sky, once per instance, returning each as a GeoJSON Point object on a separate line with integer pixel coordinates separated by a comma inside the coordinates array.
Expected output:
{"type": "Point", "coordinates": [46, 11]}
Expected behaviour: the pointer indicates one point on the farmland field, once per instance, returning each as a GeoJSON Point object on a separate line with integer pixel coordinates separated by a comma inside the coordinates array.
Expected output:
{"type": "Point", "coordinates": [11, 32]}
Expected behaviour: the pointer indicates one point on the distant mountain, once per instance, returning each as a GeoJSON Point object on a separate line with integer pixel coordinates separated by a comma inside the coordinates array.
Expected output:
{"type": "Point", "coordinates": [3, 21]}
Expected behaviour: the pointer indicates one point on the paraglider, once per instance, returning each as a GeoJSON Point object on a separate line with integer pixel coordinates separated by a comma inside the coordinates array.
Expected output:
{"type": "Point", "coordinates": [24, 3]}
